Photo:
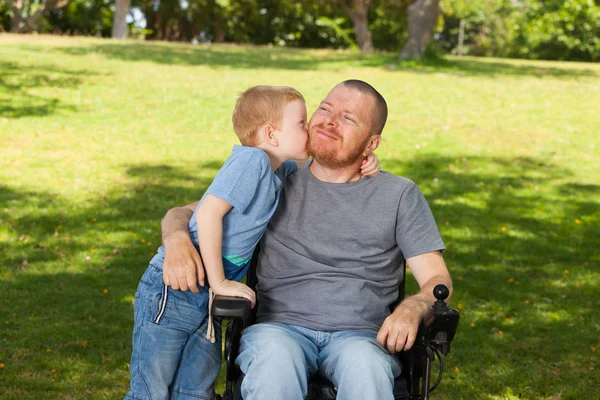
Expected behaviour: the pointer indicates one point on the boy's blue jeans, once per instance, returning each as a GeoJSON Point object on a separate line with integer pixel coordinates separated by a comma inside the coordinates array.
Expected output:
{"type": "Point", "coordinates": [278, 358]}
{"type": "Point", "coordinates": [171, 357]}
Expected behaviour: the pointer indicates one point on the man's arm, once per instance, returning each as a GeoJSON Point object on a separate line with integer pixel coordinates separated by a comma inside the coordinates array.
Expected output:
{"type": "Point", "coordinates": [399, 330]}
{"type": "Point", "coordinates": [182, 268]}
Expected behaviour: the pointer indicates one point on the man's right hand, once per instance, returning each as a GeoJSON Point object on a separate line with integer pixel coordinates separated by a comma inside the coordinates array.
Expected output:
{"type": "Point", "coordinates": [183, 268]}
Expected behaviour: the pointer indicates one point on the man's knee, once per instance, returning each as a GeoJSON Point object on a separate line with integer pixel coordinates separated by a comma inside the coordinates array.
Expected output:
{"type": "Point", "coordinates": [362, 360]}
{"type": "Point", "coordinates": [271, 347]}
{"type": "Point", "coordinates": [364, 370]}
{"type": "Point", "coordinates": [364, 355]}
{"type": "Point", "coordinates": [274, 363]}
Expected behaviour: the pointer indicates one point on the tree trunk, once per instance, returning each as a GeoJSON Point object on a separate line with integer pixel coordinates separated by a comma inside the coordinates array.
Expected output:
{"type": "Point", "coordinates": [19, 26]}
{"type": "Point", "coordinates": [17, 7]}
{"type": "Point", "coordinates": [219, 32]}
{"type": "Point", "coordinates": [461, 36]}
{"type": "Point", "coordinates": [422, 18]}
{"type": "Point", "coordinates": [359, 14]}
{"type": "Point", "coordinates": [119, 26]}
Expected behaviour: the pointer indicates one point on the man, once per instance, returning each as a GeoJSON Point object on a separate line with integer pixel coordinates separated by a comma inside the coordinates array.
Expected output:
{"type": "Point", "coordinates": [331, 263]}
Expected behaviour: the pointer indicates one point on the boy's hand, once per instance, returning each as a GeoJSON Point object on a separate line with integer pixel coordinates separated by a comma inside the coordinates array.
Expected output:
{"type": "Point", "coordinates": [183, 268]}
{"type": "Point", "coordinates": [370, 166]}
{"type": "Point", "coordinates": [236, 289]}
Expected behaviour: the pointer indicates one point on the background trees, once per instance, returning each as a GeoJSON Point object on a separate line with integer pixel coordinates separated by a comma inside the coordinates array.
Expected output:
{"type": "Point", "coordinates": [539, 29]}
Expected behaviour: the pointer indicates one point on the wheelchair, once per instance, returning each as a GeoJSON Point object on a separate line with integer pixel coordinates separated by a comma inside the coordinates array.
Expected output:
{"type": "Point", "coordinates": [433, 341]}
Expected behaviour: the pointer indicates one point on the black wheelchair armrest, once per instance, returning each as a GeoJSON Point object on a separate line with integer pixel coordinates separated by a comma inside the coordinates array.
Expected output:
{"type": "Point", "coordinates": [230, 307]}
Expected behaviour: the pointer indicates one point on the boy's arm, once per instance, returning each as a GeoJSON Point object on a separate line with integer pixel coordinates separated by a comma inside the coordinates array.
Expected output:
{"type": "Point", "coordinates": [210, 237]}
{"type": "Point", "coordinates": [182, 267]}
{"type": "Point", "coordinates": [370, 165]}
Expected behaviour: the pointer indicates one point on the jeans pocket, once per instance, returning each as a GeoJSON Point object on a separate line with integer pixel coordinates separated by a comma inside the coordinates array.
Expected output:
{"type": "Point", "coordinates": [161, 305]}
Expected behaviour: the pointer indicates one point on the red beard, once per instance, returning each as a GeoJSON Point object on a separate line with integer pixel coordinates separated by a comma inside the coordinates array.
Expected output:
{"type": "Point", "coordinates": [331, 153]}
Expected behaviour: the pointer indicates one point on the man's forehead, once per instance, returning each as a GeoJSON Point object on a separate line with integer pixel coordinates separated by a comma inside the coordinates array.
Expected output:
{"type": "Point", "coordinates": [347, 97]}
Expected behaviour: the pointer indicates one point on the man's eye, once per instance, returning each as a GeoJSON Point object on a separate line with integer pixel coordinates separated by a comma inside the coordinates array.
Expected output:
{"type": "Point", "coordinates": [350, 119]}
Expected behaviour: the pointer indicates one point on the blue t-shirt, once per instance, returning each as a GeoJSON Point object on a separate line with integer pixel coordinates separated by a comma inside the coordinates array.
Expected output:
{"type": "Point", "coordinates": [247, 182]}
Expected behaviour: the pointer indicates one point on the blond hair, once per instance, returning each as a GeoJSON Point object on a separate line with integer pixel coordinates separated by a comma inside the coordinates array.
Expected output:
{"type": "Point", "coordinates": [261, 105]}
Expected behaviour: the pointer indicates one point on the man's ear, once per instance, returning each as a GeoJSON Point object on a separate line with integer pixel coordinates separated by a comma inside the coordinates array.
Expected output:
{"type": "Point", "coordinates": [372, 144]}
{"type": "Point", "coordinates": [269, 135]}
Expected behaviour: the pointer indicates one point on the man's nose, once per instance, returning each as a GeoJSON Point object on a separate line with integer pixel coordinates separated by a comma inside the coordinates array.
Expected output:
{"type": "Point", "coordinates": [331, 119]}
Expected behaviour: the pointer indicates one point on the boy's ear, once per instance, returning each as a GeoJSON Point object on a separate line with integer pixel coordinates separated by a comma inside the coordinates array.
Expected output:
{"type": "Point", "coordinates": [269, 135]}
{"type": "Point", "coordinates": [373, 143]}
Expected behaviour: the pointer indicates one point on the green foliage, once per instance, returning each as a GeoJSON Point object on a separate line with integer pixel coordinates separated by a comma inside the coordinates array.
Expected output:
{"type": "Point", "coordinates": [388, 24]}
{"type": "Point", "coordinates": [548, 29]}
{"type": "Point", "coordinates": [558, 30]}
{"type": "Point", "coordinates": [536, 29]}
{"type": "Point", "coordinates": [80, 17]}
{"type": "Point", "coordinates": [487, 26]}
{"type": "Point", "coordinates": [5, 16]}
{"type": "Point", "coordinates": [307, 23]}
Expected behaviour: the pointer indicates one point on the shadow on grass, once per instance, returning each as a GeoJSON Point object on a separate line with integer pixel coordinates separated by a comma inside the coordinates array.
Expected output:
{"type": "Point", "coordinates": [59, 295]}
{"type": "Point", "coordinates": [471, 66]}
{"type": "Point", "coordinates": [513, 283]}
{"type": "Point", "coordinates": [18, 80]}
{"type": "Point", "coordinates": [58, 301]}
{"type": "Point", "coordinates": [250, 57]}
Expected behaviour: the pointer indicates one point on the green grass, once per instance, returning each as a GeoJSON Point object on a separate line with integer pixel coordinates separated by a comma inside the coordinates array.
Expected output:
{"type": "Point", "coordinates": [99, 138]}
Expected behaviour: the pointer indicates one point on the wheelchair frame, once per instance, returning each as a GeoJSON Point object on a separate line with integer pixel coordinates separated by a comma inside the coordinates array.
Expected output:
{"type": "Point", "coordinates": [433, 340]}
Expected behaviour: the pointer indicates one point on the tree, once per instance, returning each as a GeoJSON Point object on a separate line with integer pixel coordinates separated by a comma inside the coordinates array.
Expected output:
{"type": "Point", "coordinates": [26, 13]}
{"type": "Point", "coordinates": [483, 25]}
{"type": "Point", "coordinates": [80, 17]}
{"type": "Point", "coordinates": [558, 30]}
{"type": "Point", "coordinates": [119, 27]}
{"type": "Point", "coordinates": [358, 12]}
{"type": "Point", "coordinates": [422, 19]}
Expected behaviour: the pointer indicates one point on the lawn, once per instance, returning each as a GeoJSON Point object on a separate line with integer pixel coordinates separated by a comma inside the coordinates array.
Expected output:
{"type": "Point", "coordinates": [98, 139]}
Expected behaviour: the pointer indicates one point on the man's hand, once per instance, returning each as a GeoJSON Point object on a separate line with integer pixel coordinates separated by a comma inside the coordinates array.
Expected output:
{"type": "Point", "coordinates": [182, 268]}
{"type": "Point", "coordinates": [235, 289]}
{"type": "Point", "coordinates": [399, 330]}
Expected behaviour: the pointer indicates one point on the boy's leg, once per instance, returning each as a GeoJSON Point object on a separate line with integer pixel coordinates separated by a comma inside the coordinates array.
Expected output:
{"type": "Point", "coordinates": [200, 364]}
{"type": "Point", "coordinates": [359, 367]}
{"type": "Point", "coordinates": [163, 322]}
{"type": "Point", "coordinates": [277, 360]}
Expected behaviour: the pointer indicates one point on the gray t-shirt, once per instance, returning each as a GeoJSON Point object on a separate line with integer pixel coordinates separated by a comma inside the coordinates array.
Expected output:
{"type": "Point", "coordinates": [332, 256]}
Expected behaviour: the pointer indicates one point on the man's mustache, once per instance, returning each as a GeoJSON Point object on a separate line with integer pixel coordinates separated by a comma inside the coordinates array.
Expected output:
{"type": "Point", "coordinates": [328, 131]}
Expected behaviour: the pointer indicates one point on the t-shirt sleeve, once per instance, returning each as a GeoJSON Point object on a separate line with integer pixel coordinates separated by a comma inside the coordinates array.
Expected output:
{"type": "Point", "coordinates": [416, 230]}
{"type": "Point", "coordinates": [236, 182]}
{"type": "Point", "coordinates": [286, 169]}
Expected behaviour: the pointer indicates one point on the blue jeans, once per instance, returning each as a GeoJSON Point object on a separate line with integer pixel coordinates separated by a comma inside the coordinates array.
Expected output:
{"type": "Point", "coordinates": [277, 360]}
{"type": "Point", "coordinates": [171, 357]}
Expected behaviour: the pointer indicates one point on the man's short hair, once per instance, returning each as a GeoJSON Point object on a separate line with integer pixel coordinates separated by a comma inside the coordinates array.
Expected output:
{"type": "Point", "coordinates": [380, 110]}
{"type": "Point", "coordinates": [261, 105]}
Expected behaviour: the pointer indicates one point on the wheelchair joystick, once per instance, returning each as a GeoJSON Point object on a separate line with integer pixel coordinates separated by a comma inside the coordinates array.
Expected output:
{"type": "Point", "coordinates": [439, 328]}
{"type": "Point", "coordinates": [441, 293]}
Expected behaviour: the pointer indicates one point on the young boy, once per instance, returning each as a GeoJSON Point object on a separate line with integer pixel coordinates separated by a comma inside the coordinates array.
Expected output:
{"type": "Point", "coordinates": [175, 354]}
